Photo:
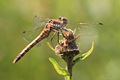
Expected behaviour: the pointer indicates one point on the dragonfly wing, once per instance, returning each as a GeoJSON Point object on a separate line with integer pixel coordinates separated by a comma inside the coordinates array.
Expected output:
{"type": "Point", "coordinates": [87, 29]}
{"type": "Point", "coordinates": [38, 22]}
{"type": "Point", "coordinates": [30, 35]}
{"type": "Point", "coordinates": [90, 29]}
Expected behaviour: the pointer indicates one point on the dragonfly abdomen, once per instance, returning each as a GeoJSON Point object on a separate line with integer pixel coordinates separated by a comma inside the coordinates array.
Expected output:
{"type": "Point", "coordinates": [45, 33]}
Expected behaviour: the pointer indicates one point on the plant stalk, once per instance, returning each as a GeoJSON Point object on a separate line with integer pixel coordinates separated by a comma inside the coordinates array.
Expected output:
{"type": "Point", "coordinates": [69, 68]}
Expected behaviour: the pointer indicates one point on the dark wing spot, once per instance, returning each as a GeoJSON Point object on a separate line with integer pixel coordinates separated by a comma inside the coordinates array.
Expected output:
{"type": "Point", "coordinates": [101, 23]}
{"type": "Point", "coordinates": [24, 31]}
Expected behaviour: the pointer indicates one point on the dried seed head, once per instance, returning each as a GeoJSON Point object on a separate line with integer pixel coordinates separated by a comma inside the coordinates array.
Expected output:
{"type": "Point", "coordinates": [67, 46]}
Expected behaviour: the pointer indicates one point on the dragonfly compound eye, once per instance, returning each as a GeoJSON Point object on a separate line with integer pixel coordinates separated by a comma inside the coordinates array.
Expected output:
{"type": "Point", "coordinates": [64, 19]}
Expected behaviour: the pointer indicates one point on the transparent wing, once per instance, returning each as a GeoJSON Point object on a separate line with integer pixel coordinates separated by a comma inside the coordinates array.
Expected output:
{"type": "Point", "coordinates": [38, 23]}
{"type": "Point", "coordinates": [86, 29]}
{"type": "Point", "coordinates": [88, 32]}
{"type": "Point", "coordinates": [30, 35]}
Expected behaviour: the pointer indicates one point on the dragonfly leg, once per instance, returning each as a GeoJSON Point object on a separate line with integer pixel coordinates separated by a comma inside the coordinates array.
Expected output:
{"type": "Point", "coordinates": [62, 33]}
{"type": "Point", "coordinates": [58, 36]}
{"type": "Point", "coordinates": [52, 38]}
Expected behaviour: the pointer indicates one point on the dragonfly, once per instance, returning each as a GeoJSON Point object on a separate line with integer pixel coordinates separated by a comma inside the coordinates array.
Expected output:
{"type": "Point", "coordinates": [56, 26]}
{"type": "Point", "coordinates": [51, 25]}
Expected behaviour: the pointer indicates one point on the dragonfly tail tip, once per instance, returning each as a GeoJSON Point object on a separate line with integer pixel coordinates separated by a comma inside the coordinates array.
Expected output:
{"type": "Point", "coordinates": [14, 61]}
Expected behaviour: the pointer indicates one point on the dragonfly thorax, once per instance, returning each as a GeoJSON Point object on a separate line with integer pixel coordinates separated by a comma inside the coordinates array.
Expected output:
{"type": "Point", "coordinates": [60, 23]}
{"type": "Point", "coordinates": [57, 26]}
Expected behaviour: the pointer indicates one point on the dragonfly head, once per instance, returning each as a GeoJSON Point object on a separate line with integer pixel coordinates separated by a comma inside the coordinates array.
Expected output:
{"type": "Point", "coordinates": [64, 20]}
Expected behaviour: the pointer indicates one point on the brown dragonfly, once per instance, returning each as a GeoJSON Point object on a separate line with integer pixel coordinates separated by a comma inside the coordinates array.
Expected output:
{"type": "Point", "coordinates": [56, 26]}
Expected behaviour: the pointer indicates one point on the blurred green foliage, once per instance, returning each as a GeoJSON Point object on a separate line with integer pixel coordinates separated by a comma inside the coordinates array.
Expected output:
{"type": "Point", "coordinates": [17, 15]}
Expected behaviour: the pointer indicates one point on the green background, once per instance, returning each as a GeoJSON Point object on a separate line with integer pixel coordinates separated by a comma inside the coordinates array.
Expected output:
{"type": "Point", "coordinates": [17, 15]}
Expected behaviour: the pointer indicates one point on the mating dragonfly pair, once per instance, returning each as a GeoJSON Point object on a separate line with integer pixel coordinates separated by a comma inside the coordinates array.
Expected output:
{"type": "Point", "coordinates": [57, 26]}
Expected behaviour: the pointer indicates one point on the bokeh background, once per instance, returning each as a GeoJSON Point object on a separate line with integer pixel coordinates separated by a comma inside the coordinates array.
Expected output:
{"type": "Point", "coordinates": [17, 16]}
